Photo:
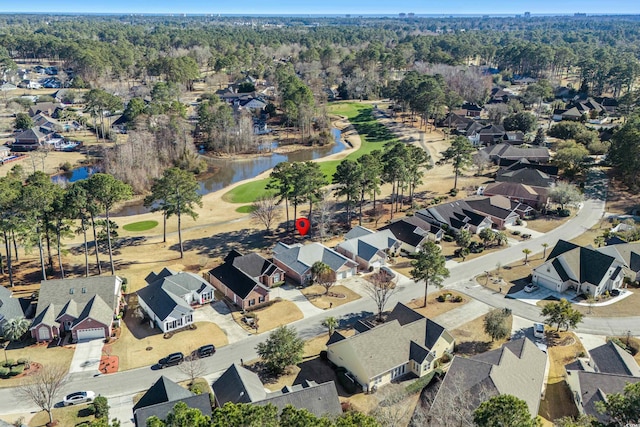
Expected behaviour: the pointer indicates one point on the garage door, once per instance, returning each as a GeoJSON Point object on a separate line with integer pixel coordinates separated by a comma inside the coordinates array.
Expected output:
{"type": "Point", "coordinates": [44, 334]}
{"type": "Point", "coordinates": [89, 334]}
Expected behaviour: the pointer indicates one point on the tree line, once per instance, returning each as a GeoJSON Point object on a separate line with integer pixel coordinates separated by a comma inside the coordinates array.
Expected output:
{"type": "Point", "coordinates": [38, 214]}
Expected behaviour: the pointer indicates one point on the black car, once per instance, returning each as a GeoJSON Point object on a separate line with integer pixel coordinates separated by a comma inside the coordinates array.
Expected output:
{"type": "Point", "coordinates": [171, 360]}
{"type": "Point", "coordinates": [205, 350]}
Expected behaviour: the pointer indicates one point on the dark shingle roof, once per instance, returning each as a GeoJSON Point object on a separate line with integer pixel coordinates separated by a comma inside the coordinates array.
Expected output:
{"type": "Point", "coordinates": [162, 391]}
{"type": "Point", "coordinates": [319, 399]}
{"type": "Point", "coordinates": [95, 309]}
{"type": "Point", "coordinates": [239, 282]}
{"type": "Point", "coordinates": [161, 303]}
{"type": "Point", "coordinates": [238, 385]}
{"type": "Point", "coordinates": [611, 359]}
{"type": "Point", "coordinates": [526, 176]}
{"type": "Point", "coordinates": [409, 229]}
{"type": "Point", "coordinates": [594, 387]}
{"type": "Point", "coordinates": [456, 214]}
{"type": "Point", "coordinates": [561, 247]}
{"type": "Point", "coordinates": [161, 410]}
{"type": "Point", "coordinates": [253, 264]}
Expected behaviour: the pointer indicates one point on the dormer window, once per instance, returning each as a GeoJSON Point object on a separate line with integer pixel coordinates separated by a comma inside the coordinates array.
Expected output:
{"type": "Point", "coordinates": [71, 291]}
{"type": "Point", "coordinates": [84, 290]}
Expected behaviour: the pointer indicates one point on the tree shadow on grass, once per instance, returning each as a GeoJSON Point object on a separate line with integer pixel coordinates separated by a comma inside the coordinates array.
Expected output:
{"type": "Point", "coordinates": [219, 245]}
{"type": "Point", "coordinates": [471, 348]}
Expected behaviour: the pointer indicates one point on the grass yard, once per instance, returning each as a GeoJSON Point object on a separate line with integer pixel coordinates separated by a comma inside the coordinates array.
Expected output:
{"type": "Point", "coordinates": [558, 401]}
{"type": "Point", "coordinates": [434, 307]}
{"type": "Point", "coordinates": [514, 276]}
{"type": "Point", "coordinates": [245, 209]}
{"type": "Point", "coordinates": [151, 345]}
{"type": "Point", "coordinates": [316, 296]}
{"type": "Point", "coordinates": [546, 223]}
{"type": "Point", "coordinates": [280, 313]}
{"type": "Point", "coordinates": [623, 308]}
{"type": "Point", "coordinates": [373, 135]}
{"type": "Point", "coordinates": [65, 416]}
{"type": "Point", "coordinates": [140, 226]}
{"type": "Point", "coordinates": [471, 338]}
{"type": "Point", "coordinates": [37, 353]}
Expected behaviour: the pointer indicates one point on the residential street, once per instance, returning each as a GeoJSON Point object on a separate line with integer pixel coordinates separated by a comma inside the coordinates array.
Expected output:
{"type": "Point", "coordinates": [462, 274]}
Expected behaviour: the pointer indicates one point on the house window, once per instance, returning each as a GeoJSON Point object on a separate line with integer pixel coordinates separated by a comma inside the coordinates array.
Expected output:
{"type": "Point", "coordinates": [252, 302]}
{"type": "Point", "coordinates": [84, 290]}
{"type": "Point", "coordinates": [261, 299]}
{"type": "Point", "coordinates": [276, 277]}
{"type": "Point", "coordinates": [71, 291]}
{"type": "Point", "coordinates": [188, 319]}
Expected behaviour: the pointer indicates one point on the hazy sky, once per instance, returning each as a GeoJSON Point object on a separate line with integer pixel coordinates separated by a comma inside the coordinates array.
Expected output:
{"type": "Point", "coordinates": [324, 6]}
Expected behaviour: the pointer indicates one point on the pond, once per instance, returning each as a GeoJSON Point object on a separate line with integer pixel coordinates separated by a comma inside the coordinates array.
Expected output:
{"type": "Point", "coordinates": [225, 171]}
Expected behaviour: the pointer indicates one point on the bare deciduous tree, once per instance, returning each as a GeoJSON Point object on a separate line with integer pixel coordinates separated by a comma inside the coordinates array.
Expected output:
{"type": "Point", "coordinates": [380, 288]}
{"type": "Point", "coordinates": [395, 408]}
{"type": "Point", "coordinates": [265, 211]}
{"type": "Point", "coordinates": [323, 215]}
{"type": "Point", "coordinates": [43, 387]}
{"type": "Point", "coordinates": [192, 367]}
{"type": "Point", "coordinates": [481, 162]}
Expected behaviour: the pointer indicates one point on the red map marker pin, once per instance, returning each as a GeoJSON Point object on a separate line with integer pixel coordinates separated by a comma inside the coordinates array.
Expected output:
{"type": "Point", "coordinates": [303, 224]}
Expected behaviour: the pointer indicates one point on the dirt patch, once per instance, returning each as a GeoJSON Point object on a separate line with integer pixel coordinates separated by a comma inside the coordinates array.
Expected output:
{"type": "Point", "coordinates": [338, 295]}
{"type": "Point", "coordinates": [471, 339]}
{"type": "Point", "coordinates": [280, 313]}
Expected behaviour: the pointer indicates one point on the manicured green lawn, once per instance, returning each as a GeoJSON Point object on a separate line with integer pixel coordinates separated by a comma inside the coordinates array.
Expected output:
{"type": "Point", "coordinates": [140, 226]}
{"type": "Point", "coordinates": [245, 209]}
{"type": "Point", "coordinates": [373, 134]}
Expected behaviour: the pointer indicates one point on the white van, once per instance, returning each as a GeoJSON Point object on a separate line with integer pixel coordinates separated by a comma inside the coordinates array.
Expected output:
{"type": "Point", "coordinates": [538, 330]}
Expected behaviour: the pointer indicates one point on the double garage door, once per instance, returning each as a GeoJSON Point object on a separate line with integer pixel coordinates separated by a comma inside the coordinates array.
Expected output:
{"type": "Point", "coordinates": [91, 333]}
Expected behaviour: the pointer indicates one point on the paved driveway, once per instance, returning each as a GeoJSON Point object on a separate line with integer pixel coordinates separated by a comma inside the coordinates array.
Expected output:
{"type": "Point", "coordinates": [533, 297]}
{"type": "Point", "coordinates": [219, 313]}
{"type": "Point", "coordinates": [291, 293]}
{"type": "Point", "coordinates": [86, 357]}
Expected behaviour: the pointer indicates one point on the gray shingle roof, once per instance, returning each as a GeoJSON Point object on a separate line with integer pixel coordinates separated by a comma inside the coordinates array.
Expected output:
{"type": "Point", "coordinates": [95, 309]}
{"type": "Point", "coordinates": [526, 176]}
{"type": "Point", "coordinates": [585, 265]}
{"type": "Point", "coordinates": [319, 399]}
{"type": "Point", "coordinates": [162, 391]}
{"type": "Point", "coordinates": [240, 272]}
{"type": "Point", "coordinates": [366, 246]}
{"type": "Point", "coordinates": [594, 387]}
{"type": "Point", "coordinates": [300, 258]}
{"type": "Point", "coordinates": [411, 230]}
{"type": "Point", "coordinates": [496, 206]}
{"type": "Point", "coordinates": [395, 336]}
{"type": "Point", "coordinates": [10, 307]}
{"type": "Point", "coordinates": [238, 385]}
{"type": "Point", "coordinates": [161, 410]}
{"type": "Point", "coordinates": [611, 359]}
{"type": "Point", "coordinates": [455, 214]}
{"type": "Point", "coordinates": [627, 253]}
{"type": "Point", "coordinates": [517, 368]}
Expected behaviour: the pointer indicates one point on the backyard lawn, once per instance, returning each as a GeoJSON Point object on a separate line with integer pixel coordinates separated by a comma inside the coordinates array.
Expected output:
{"type": "Point", "coordinates": [471, 338]}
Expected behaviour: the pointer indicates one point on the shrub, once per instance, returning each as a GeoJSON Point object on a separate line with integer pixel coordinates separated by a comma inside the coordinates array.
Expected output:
{"type": "Point", "coordinates": [101, 407]}
{"type": "Point", "coordinates": [516, 232]}
{"type": "Point", "coordinates": [23, 361]}
{"type": "Point", "coordinates": [8, 363]}
{"type": "Point", "coordinates": [453, 192]}
{"type": "Point", "coordinates": [457, 298]}
{"type": "Point", "coordinates": [4, 371]}
{"type": "Point", "coordinates": [66, 166]}
{"type": "Point", "coordinates": [564, 212]}
{"type": "Point", "coordinates": [196, 388]}
{"type": "Point", "coordinates": [16, 370]}
{"type": "Point", "coordinates": [441, 298]}
{"type": "Point", "coordinates": [324, 355]}
{"type": "Point", "coordinates": [447, 238]}
{"type": "Point", "coordinates": [518, 221]}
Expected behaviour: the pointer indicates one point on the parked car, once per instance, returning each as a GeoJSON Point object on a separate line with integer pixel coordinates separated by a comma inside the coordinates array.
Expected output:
{"type": "Point", "coordinates": [205, 350]}
{"type": "Point", "coordinates": [530, 288]}
{"type": "Point", "coordinates": [615, 292]}
{"type": "Point", "coordinates": [78, 397]}
{"type": "Point", "coordinates": [391, 275]}
{"type": "Point", "coordinates": [538, 330]}
{"type": "Point", "coordinates": [171, 360]}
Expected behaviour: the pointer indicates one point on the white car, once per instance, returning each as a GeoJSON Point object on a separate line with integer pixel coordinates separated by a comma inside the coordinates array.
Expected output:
{"type": "Point", "coordinates": [530, 288]}
{"type": "Point", "coordinates": [78, 397]}
{"type": "Point", "coordinates": [538, 330]}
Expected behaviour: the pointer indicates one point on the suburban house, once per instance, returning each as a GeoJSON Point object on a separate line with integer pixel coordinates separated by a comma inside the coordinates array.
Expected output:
{"type": "Point", "coordinates": [459, 123]}
{"type": "Point", "coordinates": [518, 368]}
{"type": "Point", "coordinates": [506, 152]}
{"type": "Point", "coordinates": [407, 343]}
{"type": "Point", "coordinates": [246, 279]}
{"type": "Point", "coordinates": [501, 210]}
{"type": "Point", "coordinates": [485, 135]}
{"type": "Point", "coordinates": [84, 308]}
{"type": "Point", "coordinates": [162, 396]}
{"type": "Point", "coordinates": [169, 297]}
{"type": "Point", "coordinates": [536, 197]}
{"type": "Point", "coordinates": [296, 261]}
{"type": "Point", "coordinates": [469, 110]}
{"type": "Point", "coordinates": [608, 370]}
{"type": "Point", "coordinates": [572, 114]}
{"type": "Point", "coordinates": [10, 307]}
{"type": "Point", "coordinates": [370, 249]}
{"type": "Point", "coordinates": [51, 109]}
{"type": "Point", "coordinates": [626, 253]}
{"type": "Point", "coordinates": [514, 165]}
{"type": "Point", "coordinates": [528, 176]}
{"type": "Point", "coordinates": [455, 216]}
{"type": "Point", "coordinates": [499, 95]}
{"type": "Point", "coordinates": [30, 139]}
{"type": "Point", "coordinates": [582, 269]}
{"type": "Point", "coordinates": [240, 385]}
{"type": "Point", "coordinates": [412, 232]}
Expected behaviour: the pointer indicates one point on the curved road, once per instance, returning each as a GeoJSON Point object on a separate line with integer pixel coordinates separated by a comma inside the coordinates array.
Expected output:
{"type": "Point", "coordinates": [128, 382]}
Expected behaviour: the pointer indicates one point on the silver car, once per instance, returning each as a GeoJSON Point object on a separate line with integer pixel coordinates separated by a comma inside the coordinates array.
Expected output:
{"type": "Point", "coordinates": [78, 397]}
